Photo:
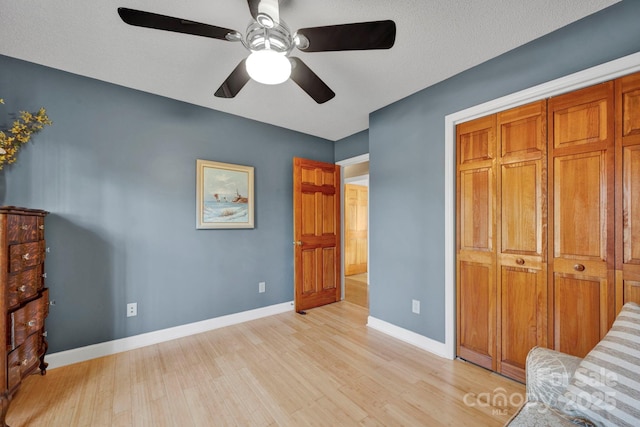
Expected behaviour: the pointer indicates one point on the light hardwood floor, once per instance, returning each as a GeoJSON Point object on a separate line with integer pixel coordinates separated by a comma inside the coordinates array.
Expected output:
{"type": "Point", "coordinates": [356, 289]}
{"type": "Point", "coordinates": [325, 368]}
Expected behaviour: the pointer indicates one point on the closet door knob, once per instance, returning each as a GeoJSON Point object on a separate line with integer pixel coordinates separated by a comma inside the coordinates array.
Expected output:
{"type": "Point", "coordinates": [578, 267]}
{"type": "Point", "coordinates": [519, 261]}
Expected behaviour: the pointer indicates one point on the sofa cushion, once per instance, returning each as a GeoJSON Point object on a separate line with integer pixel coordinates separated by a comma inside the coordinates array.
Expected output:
{"type": "Point", "coordinates": [548, 375]}
{"type": "Point", "coordinates": [537, 414]}
{"type": "Point", "coordinates": [606, 385]}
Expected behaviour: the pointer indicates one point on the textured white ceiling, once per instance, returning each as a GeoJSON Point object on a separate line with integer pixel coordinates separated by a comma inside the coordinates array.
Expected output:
{"type": "Point", "coordinates": [435, 40]}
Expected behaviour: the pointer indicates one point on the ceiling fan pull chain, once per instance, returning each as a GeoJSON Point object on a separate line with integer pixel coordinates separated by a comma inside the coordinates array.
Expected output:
{"type": "Point", "coordinates": [267, 41]}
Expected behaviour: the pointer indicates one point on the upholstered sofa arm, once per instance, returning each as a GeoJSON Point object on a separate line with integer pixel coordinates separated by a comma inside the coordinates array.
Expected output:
{"type": "Point", "coordinates": [548, 374]}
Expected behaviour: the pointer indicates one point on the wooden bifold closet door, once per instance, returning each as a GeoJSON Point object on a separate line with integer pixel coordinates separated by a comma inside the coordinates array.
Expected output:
{"type": "Point", "coordinates": [501, 270]}
{"type": "Point", "coordinates": [581, 212]}
{"type": "Point", "coordinates": [628, 191]}
{"type": "Point", "coordinates": [548, 224]}
{"type": "Point", "coordinates": [521, 263]}
{"type": "Point", "coordinates": [475, 223]}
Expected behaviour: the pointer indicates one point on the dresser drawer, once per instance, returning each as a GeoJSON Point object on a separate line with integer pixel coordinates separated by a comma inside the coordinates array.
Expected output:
{"type": "Point", "coordinates": [24, 228]}
{"type": "Point", "coordinates": [29, 319]}
{"type": "Point", "coordinates": [23, 359]}
{"type": "Point", "coordinates": [25, 255]}
{"type": "Point", "coordinates": [24, 285]}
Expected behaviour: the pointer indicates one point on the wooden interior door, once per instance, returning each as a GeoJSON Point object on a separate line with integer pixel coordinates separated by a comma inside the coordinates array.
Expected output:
{"type": "Point", "coordinates": [522, 225]}
{"type": "Point", "coordinates": [581, 213]}
{"type": "Point", "coordinates": [475, 241]}
{"type": "Point", "coordinates": [628, 190]}
{"type": "Point", "coordinates": [356, 224]}
{"type": "Point", "coordinates": [316, 230]}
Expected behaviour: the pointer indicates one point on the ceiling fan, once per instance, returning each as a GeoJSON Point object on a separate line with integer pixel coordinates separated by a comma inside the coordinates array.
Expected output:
{"type": "Point", "coordinates": [271, 42]}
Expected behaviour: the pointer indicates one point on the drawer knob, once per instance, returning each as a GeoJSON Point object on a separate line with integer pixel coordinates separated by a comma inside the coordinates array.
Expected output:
{"type": "Point", "coordinates": [22, 288]}
{"type": "Point", "coordinates": [30, 323]}
{"type": "Point", "coordinates": [26, 256]}
{"type": "Point", "coordinates": [25, 227]}
{"type": "Point", "coordinates": [520, 261]}
{"type": "Point", "coordinates": [41, 227]}
{"type": "Point", "coordinates": [579, 267]}
{"type": "Point", "coordinates": [23, 363]}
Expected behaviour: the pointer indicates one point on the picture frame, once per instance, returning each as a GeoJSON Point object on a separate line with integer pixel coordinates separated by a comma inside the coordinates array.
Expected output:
{"type": "Point", "coordinates": [224, 195]}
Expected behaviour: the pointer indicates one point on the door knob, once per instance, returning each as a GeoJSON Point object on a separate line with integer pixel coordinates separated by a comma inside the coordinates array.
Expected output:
{"type": "Point", "coordinates": [298, 243]}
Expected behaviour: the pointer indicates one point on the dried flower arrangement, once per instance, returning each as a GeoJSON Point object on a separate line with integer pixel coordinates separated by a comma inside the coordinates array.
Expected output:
{"type": "Point", "coordinates": [20, 133]}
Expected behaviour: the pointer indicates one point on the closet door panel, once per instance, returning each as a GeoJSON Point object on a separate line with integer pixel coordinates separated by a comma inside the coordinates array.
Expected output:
{"type": "Point", "coordinates": [631, 204]}
{"type": "Point", "coordinates": [580, 206]}
{"type": "Point", "coordinates": [581, 217]}
{"type": "Point", "coordinates": [476, 210]}
{"type": "Point", "coordinates": [477, 302]}
{"type": "Point", "coordinates": [521, 263]}
{"type": "Point", "coordinates": [582, 123]}
{"type": "Point", "coordinates": [523, 132]}
{"type": "Point", "coordinates": [521, 209]}
{"type": "Point", "coordinates": [476, 142]}
{"type": "Point", "coordinates": [575, 332]}
{"type": "Point", "coordinates": [476, 230]}
{"type": "Point", "coordinates": [631, 291]}
{"type": "Point", "coordinates": [522, 320]}
{"type": "Point", "coordinates": [630, 105]}
{"type": "Point", "coordinates": [628, 191]}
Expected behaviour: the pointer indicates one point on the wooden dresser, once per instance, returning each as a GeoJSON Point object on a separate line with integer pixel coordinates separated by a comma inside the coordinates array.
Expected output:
{"type": "Point", "coordinates": [25, 301]}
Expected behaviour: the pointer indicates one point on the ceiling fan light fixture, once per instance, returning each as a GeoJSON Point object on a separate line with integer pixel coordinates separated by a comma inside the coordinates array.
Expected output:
{"type": "Point", "coordinates": [268, 67]}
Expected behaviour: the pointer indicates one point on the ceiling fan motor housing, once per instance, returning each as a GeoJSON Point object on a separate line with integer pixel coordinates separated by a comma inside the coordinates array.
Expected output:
{"type": "Point", "coordinates": [277, 38]}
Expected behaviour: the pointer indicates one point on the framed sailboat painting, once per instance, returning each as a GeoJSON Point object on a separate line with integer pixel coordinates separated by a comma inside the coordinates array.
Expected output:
{"type": "Point", "coordinates": [224, 195]}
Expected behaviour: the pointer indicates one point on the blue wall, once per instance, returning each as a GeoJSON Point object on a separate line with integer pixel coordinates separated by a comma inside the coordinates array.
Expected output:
{"type": "Point", "coordinates": [352, 146]}
{"type": "Point", "coordinates": [117, 172]}
{"type": "Point", "coordinates": [406, 147]}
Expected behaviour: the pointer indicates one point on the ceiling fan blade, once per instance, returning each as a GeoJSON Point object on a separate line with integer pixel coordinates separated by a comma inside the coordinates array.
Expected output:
{"type": "Point", "coordinates": [140, 18]}
{"type": "Point", "coordinates": [253, 8]}
{"type": "Point", "coordinates": [235, 82]}
{"type": "Point", "coordinates": [357, 36]}
{"type": "Point", "coordinates": [310, 82]}
{"type": "Point", "coordinates": [265, 8]}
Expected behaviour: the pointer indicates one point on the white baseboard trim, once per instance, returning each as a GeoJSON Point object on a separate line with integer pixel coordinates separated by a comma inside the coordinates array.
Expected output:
{"type": "Point", "coordinates": [420, 341]}
{"type": "Point", "coordinates": [81, 354]}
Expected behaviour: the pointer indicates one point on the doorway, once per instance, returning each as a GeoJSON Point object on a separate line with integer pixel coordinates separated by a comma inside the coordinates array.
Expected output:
{"type": "Point", "coordinates": [355, 226]}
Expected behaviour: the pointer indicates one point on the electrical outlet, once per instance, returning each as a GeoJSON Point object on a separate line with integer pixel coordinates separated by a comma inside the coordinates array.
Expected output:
{"type": "Point", "coordinates": [132, 309]}
{"type": "Point", "coordinates": [262, 287]}
{"type": "Point", "coordinates": [415, 306]}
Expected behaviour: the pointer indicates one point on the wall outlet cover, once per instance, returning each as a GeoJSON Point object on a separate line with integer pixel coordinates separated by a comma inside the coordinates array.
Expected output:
{"type": "Point", "coordinates": [132, 309]}
{"type": "Point", "coordinates": [415, 306]}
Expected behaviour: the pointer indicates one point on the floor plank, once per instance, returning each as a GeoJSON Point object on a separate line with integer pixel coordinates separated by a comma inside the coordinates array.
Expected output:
{"type": "Point", "coordinates": [356, 289]}
{"type": "Point", "coordinates": [325, 368]}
